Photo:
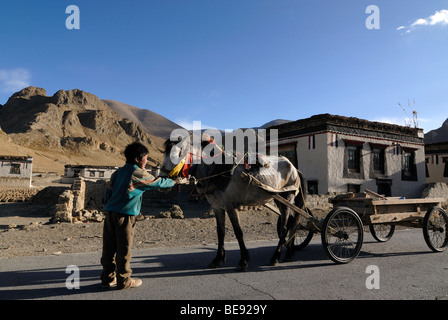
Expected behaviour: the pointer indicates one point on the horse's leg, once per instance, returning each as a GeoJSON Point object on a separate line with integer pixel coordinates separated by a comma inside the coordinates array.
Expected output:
{"type": "Point", "coordinates": [283, 229]}
{"type": "Point", "coordinates": [291, 218]}
{"type": "Point", "coordinates": [285, 214]}
{"type": "Point", "coordinates": [220, 216]}
{"type": "Point", "coordinates": [234, 219]}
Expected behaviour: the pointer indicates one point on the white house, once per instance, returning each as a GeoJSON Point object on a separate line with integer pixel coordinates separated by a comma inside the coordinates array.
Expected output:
{"type": "Point", "coordinates": [16, 172]}
{"type": "Point", "coordinates": [88, 172]}
{"type": "Point", "coordinates": [341, 154]}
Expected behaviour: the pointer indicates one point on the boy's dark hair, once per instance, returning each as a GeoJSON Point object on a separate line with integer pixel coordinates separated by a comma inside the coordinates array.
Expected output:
{"type": "Point", "coordinates": [135, 150]}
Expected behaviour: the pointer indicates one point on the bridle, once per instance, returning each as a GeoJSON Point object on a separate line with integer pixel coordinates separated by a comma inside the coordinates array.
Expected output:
{"type": "Point", "coordinates": [184, 167]}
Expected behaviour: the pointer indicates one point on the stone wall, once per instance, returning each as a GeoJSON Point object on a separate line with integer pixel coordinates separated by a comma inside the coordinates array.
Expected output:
{"type": "Point", "coordinates": [436, 190]}
{"type": "Point", "coordinates": [64, 208]}
{"type": "Point", "coordinates": [85, 201]}
{"type": "Point", "coordinates": [319, 202]}
{"type": "Point", "coordinates": [17, 194]}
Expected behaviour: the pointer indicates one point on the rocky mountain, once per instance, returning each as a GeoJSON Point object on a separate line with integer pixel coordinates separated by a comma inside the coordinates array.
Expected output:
{"type": "Point", "coordinates": [438, 135]}
{"type": "Point", "coordinates": [274, 123]}
{"type": "Point", "coordinates": [150, 121]}
{"type": "Point", "coordinates": [70, 127]}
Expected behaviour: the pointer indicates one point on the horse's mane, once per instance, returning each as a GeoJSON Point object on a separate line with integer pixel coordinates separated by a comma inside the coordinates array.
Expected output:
{"type": "Point", "coordinates": [168, 145]}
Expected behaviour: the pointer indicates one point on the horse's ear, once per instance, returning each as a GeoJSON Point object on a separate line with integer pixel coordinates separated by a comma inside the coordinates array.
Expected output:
{"type": "Point", "coordinates": [206, 140]}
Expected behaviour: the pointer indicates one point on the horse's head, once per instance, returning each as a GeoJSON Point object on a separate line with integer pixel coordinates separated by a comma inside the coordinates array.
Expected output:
{"type": "Point", "coordinates": [174, 153]}
{"type": "Point", "coordinates": [185, 150]}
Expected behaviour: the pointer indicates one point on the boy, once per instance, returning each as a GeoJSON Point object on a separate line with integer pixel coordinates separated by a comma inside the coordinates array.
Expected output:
{"type": "Point", "coordinates": [123, 204]}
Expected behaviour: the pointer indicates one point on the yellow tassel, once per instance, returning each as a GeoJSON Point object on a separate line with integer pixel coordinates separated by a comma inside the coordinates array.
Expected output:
{"type": "Point", "coordinates": [177, 169]}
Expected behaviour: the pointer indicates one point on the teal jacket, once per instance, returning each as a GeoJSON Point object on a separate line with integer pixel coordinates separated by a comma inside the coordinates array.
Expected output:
{"type": "Point", "coordinates": [126, 187]}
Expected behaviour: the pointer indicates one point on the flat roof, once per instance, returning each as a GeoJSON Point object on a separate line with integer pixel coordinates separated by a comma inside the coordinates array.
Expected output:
{"type": "Point", "coordinates": [351, 125]}
{"type": "Point", "coordinates": [16, 158]}
{"type": "Point", "coordinates": [82, 166]}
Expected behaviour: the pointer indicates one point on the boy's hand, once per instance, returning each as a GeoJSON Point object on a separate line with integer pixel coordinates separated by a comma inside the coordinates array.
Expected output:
{"type": "Point", "coordinates": [180, 180]}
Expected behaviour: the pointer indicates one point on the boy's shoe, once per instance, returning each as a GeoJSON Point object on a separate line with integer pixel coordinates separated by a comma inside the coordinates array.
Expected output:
{"type": "Point", "coordinates": [133, 283]}
{"type": "Point", "coordinates": [111, 284]}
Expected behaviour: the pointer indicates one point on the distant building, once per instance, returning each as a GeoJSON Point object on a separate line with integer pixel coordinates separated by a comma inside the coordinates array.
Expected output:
{"type": "Point", "coordinates": [341, 154]}
{"type": "Point", "coordinates": [16, 172]}
{"type": "Point", "coordinates": [88, 172]}
{"type": "Point", "coordinates": [436, 159]}
{"type": "Point", "coordinates": [94, 173]}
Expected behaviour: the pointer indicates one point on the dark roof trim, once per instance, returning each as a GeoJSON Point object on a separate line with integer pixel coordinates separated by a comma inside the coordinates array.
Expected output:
{"type": "Point", "coordinates": [89, 166]}
{"type": "Point", "coordinates": [346, 125]}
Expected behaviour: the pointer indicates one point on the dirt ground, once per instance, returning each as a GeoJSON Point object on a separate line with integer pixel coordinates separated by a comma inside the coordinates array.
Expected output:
{"type": "Point", "coordinates": [25, 229]}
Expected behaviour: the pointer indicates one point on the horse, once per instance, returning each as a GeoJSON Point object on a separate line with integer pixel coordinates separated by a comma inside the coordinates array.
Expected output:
{"type": "Point", "coordinates": [226, 187]}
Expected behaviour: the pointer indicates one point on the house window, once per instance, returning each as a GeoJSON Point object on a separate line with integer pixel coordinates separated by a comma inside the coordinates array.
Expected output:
{"type": "Point", "coordinates": [353, 159]}
{"type": "Point", "coordinates": [407, 164]}
{"type": "Point", "coordinates": [91, 173]}
{"type": "Point", "coordinates": [101, 174]}
{"type": "Point", "coordinates": [378, 160]}
{"type": "Point", "coordinates": [15, 168]}
{"type": "Point", "coordinates": [445, 170]}
{"type": "Point", "coordinates": [354, 188]}
{"type": "Point", "coordinates": [384, 187]}
{"type": "Point", "coordinates": [409, 170]}
{"type": "Point", "coordinates": [353, 166]}
{"type": "Point", "coordinates": [312, 142]}
{"type": "Point", "coordinates": [288, 151]}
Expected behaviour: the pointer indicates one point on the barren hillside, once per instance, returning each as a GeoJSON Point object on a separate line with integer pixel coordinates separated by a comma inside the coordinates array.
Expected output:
{"type": "Point", "coordinates": [70, 127]}
{"type": "Point", "coordinates": [151, 122]}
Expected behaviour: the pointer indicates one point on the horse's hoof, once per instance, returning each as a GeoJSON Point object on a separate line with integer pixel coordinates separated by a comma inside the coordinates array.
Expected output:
{"type": "Point", "coordinates": [213, 265]}
{"type": "Point", "coordinates": [216, 263]}
{"type": "Point", "coordinates": [241, 268]}
{"type": "Point", "coordinates": [274, 263]}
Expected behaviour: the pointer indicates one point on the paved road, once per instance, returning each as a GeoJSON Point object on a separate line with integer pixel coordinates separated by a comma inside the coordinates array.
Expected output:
{"type": "Point", "coordinates": [407, 270]}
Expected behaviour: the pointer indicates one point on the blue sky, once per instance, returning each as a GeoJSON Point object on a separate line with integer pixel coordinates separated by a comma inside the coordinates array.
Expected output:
{"type": "Point", "coordinates": [236, 63]}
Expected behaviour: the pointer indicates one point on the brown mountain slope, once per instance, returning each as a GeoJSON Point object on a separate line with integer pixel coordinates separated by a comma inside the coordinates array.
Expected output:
{"type": "Point", "coordinates": [70, 127]}
{"type": "Point", "coordinates": [150, 121]}
{"type": "Point", "coordinates": [438, 135]}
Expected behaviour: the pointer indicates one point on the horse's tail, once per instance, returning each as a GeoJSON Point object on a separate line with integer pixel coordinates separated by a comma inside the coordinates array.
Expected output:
{"type": "Point", "coordinates": [300, 200]}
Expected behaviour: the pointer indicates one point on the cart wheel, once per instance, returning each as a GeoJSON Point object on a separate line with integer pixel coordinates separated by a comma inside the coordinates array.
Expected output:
{"type": "Point", "coordinates": [342, 235]}
{"type": "Point", "coordinates": [435, 231]}
{"type": "Point", "coordinates": [302, 237]}
{"type": "Point", "coordinates": [382, 232]}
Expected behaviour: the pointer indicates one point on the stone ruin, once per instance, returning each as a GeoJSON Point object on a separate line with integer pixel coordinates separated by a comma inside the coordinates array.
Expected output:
{"type": "Point", "coordinates": [83, 202]}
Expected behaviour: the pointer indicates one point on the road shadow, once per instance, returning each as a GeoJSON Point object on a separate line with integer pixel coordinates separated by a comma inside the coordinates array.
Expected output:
{"type": "Point", "coordinates": [47, 283]}
{"type": "Point", "coordinates": [50, 283]}
{"type": "Point", "coordinates": [196, 264]}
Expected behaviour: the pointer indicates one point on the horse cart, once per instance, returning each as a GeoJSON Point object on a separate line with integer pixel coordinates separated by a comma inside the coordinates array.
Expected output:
{"type": "Point", "coordinates": [342, 230]}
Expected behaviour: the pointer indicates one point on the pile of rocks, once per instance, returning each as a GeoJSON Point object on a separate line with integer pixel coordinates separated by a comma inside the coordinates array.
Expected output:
{"type": "Point", "coordinates": [175, 212]}
{"type": "Point", "coordinates": [89, 215]}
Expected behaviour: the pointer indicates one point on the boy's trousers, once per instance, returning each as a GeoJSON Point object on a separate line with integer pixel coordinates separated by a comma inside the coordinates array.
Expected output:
{"type": "Point", "coordinates": [118, 235]}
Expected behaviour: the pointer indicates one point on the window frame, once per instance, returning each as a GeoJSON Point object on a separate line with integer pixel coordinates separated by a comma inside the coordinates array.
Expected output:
{"type": "Point", "coordinates": [408, 164]}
